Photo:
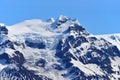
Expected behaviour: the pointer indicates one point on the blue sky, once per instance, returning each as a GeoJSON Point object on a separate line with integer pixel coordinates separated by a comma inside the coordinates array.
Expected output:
{"type": "Point", "coordinates": [97, 16]}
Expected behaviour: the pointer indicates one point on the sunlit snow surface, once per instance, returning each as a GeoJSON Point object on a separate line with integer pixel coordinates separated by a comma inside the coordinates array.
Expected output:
{"type": "Point", "coordinates": [113, 38]}
{"type": "Point", "coordinates": [49, 33]}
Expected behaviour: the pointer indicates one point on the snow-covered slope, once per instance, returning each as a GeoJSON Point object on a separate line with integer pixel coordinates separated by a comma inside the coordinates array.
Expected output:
{"type": "Point", "coordinates": [113, 38]}
{"type": "Point", "coordinates": [58, 49]}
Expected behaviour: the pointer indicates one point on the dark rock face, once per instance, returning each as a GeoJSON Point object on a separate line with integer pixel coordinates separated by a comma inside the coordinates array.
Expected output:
{"type": "Point", "coordinates": [61, 20]}
{"type": "Point", "coordinates": [76, 27]}
{"type": "Point", "coordinates": [104, 63]}
{"type": "Point", "coordinates": [18, 58]}
{"type": "Point", "coordinates": [76, 42]}
{"type": "Point", "coordinates": [92, 39]}
{"type": "Point", "coordinates": [79, 75]}
{"type": "Point", "coordinates": [41, 63]}
{"type": "Point", "coordinates": [3, 30]}
{"type": "Point", "coordinates": [35, 45]}
{"type": "Point", "coordinates": [5, 57]}
{"type": "Point", "coordinates": [57, 67]}
{"type": "Point", "coordinates": [103, 60]}
{"type": "Point", "coordinates": [9, 44]}
{"type": "Point", "coordinates": [20, 73]}
{"type": "Point", "coordinates": [19, 44]}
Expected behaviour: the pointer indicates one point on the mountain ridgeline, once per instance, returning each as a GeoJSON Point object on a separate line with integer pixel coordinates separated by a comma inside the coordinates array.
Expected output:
{"type": "Point", "coordinates": [58, 49]}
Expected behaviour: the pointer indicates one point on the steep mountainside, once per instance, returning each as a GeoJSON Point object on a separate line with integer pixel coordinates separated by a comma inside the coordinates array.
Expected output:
{"type": "Point", "coordinates": [58, 49]}
{"type": "Point", "coordinates": [113, 38]}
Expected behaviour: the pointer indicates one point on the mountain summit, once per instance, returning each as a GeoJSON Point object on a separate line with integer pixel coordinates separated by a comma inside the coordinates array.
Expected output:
{"type": "Point", "coordinates": [58, 49]}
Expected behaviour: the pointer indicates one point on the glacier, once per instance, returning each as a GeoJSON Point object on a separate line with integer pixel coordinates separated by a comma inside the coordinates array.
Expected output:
{"type": "Point", "coordinates": [57, 49]}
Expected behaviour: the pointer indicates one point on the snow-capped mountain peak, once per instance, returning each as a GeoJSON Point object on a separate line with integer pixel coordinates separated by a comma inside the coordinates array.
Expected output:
{"type": "Point", "coordinates": [56, 50]}
{"type": "Point", "coordinates": [62, 18]}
